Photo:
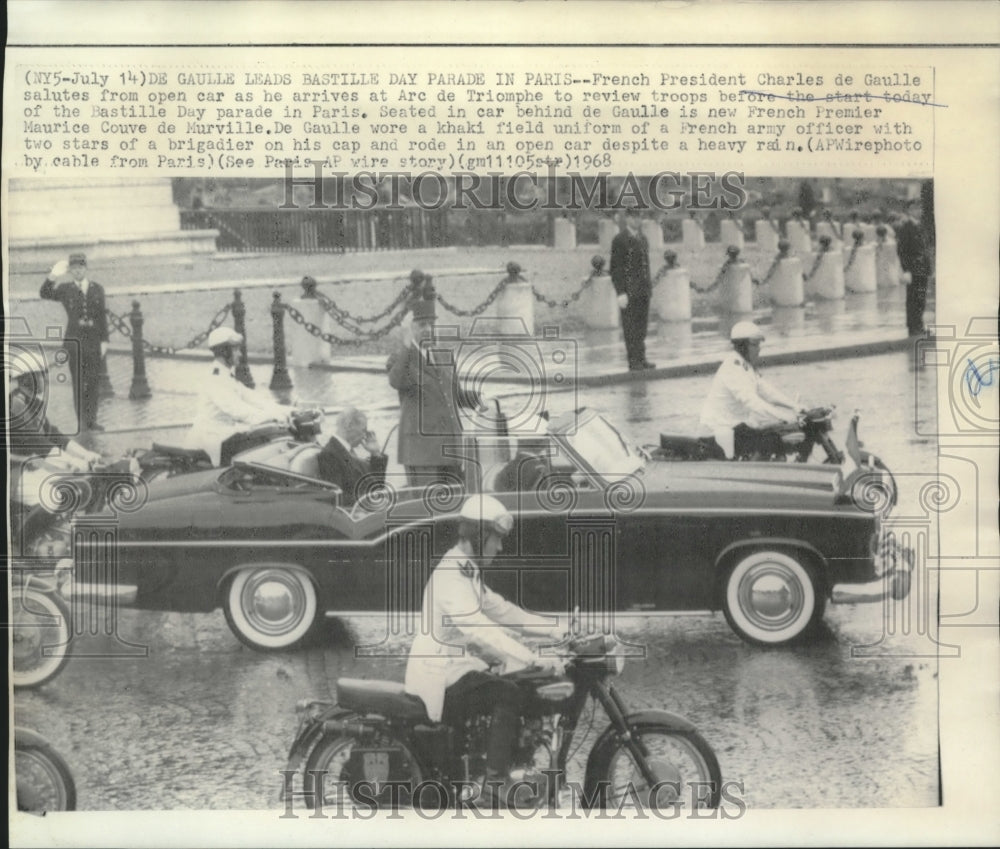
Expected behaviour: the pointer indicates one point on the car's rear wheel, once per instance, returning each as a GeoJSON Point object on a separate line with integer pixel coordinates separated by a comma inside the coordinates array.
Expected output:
{"type": "Point", "coordinates": [771, 597]}
{"type": "Point", "coordinates": [270, 608]}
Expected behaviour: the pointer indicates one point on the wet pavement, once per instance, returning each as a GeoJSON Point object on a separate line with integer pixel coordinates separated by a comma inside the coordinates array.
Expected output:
{"type": "Point", "coordinates": [193, 720]}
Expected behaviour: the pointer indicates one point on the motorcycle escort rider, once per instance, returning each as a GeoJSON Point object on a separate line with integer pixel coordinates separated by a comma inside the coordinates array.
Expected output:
{"type": "Point", "coordinates": [31, 432]}
{"type": "Point", "coordinates": [226, 408]}
{"type": "Point", "coordinates": [742, 409]}
{"type": "Point", "coordinates": [454, 667]}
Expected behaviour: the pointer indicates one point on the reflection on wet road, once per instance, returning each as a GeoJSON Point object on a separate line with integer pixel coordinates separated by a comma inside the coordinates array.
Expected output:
{"type": "Point", "coordinates": [203, 723]}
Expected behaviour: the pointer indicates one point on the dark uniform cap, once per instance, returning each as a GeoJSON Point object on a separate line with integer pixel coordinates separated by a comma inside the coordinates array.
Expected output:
{"type": "Point", "coordinates": [77, 259]}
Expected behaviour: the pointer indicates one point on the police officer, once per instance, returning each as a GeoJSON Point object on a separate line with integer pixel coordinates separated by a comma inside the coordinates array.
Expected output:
{"type": "Point", "coordinates": [226, 408]}
{"type": "Point", "coordinates": [629, 269]}
{"type": "Point", "coordinates": [911, 247]}
{"type": "Point", "coordinates": [449, 665]}
{"type": "Point", "coordinates": [741, 406]}
{"type": "Point", "coordinates": [86, 332]}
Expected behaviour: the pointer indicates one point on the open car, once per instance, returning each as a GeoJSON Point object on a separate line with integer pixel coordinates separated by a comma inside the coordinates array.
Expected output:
{"type": "Point", "coordinates": [606, 528]}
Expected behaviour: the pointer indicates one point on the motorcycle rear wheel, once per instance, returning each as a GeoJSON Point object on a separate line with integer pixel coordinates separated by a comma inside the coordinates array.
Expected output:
{"type": "Point", "coordinates": [44, 780]}
{"type": "Point", "coordinates": [328, 773]}
{"type": "Point", "coordinates": [687, 771]}
{"type": "Point", "coordinates": [41, 621]}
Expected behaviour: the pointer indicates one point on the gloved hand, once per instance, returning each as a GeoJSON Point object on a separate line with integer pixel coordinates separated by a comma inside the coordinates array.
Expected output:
{"type": "Point", "coordinates": [104, 349]}
{"type": "Point", "coordinates": [622, 301]}
{"type": "Point", "coordinates": [59, 269]}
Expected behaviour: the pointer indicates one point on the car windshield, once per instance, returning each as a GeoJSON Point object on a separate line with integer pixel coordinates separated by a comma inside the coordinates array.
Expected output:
{"type": "Point", "coordinates": [603, 448]}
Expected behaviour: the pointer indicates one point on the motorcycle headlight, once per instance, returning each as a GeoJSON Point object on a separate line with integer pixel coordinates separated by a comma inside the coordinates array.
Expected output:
{"type": "Point", "coordinates": [615, 657]}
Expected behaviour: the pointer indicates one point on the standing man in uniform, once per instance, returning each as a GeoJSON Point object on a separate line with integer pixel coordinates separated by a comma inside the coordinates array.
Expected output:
{"type": "Point", "coordinates": [630, 277]}
{"type": "Point", "coordinates": [742, 408]}
{"type": "Point", "coordinates": [86, 332]}
{"type": "Point", "coordinates": [429, 429]}
{"type": "Point", "coordinates": [912, 250]}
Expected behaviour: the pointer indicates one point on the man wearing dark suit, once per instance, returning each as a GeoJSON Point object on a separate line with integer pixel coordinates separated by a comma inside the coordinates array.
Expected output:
{"type": "Point", "coordinates": [429, 429]}
{"type": "Point", "coordinates": [340, 465]}
{"type": "Point", "coordinates": [630, 277]}
{"type": "Point", "coordinates": [526, 471]}
{"type": "Point", "coordinates": [86, 333]}
{"type": "Point", "coordinates": [912, 251]}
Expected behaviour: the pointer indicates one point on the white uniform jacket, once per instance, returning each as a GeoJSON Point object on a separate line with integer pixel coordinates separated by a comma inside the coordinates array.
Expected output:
{"type": "Point", "coordinates": [462, 630]}
{"type": "Point", "coordinates": [226, 407]}
{"type": "Point", "coordinates": [739, 394]}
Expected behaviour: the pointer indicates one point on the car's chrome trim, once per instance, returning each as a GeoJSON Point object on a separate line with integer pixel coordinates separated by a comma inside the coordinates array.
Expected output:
{"type": "Point", "coordinates": [121, 593]}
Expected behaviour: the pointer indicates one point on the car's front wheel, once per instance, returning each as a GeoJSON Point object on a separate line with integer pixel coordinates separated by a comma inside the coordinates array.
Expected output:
{"type": "Point", "coordinates": [270, 608]}
{"type": "Point", "coordinates": [771, 597]}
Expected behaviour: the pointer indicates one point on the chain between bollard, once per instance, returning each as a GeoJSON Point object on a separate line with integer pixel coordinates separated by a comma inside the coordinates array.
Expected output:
{"type": "Point", "coordinates": [731, 259]}
{"type": "Point", "coordinates": [485, 305]}
{"type": "Point", "coordinates": [858, 235]}
{"type": "Point", "coordinates": [342, 316]}
{"type": "Point", "coordinates": [824, 247]}
{"type": "Point", "coordinates": [372, 336]}
{"type": "Point", "coordinates": [120, 324]}
{"type": "Point", "coordinates": [778, 257]}
{"type": "Point", "coordinates": [597, 267]}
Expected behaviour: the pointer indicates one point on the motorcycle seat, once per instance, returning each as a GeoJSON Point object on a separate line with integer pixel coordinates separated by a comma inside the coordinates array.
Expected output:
{"type": "Point", "coordinates": [385, 697]}
{"type": "Point", "coordinates": [668, 440]}
{"type": "Point", "coordinates": [195, 454]}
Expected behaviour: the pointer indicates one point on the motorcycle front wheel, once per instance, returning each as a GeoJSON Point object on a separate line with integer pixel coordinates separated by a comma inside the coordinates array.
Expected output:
{"type": "Point", "coordinates": [40, 636]}
{"type": "Point", "coordinates": [686, 769]}
{"type": "Point", "coordinates": [343, 771]}
{"type": "Point", "coordinates": [44, 781]}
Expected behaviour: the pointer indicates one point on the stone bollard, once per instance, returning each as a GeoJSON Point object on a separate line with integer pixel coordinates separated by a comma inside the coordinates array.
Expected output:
{"type": "Point", "coordinates": [731, 232]}
{"type": "Point", "coordinates": [828, 228]}
{"type": "Point", "coordinates": [607, 229]}
{"type": "Point", "coordinates": [786, 280]}
{"type": "Point", "coordinates": [737, 285]}
{"type": "Point", "coordinates": [563, 234]}
{"type": "Point", "coordinates": [767, 235]}
{"type": "Point", "coordinates": [280, 380]}
{"type": "Point", "coordinates": [653, 232]}
{"type": "Point", "coordinates": [886, 260]}
{"type": "Point", "coordinates": [139, 389]}
{"type": "Point", "coordinates": [859, 276]}
{"type": "Point", "coordinates": [304, 348]}
{"type": "Point", "coordinates": [797, 233]}
{"type": "Point", "coordinates": [517, 299]}
{"type": "Point", "coordinates": [672, 294]}
{"type": "Point", "coordinates": [240, 325]}
{"type": "Point", "coordinates": [693, 235]}
{"type": "Point", "coordinates": [827, 272]}
{"type": "Point", "coordinates": [600, 302]}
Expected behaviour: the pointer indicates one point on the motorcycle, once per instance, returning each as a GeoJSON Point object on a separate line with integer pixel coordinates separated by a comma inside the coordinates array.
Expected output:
{"type": "Point", "coordinates": [44, 781]}
{"type": "Point", "coordinates": [799, 440]}
{"type": "Point", "coordinates": [167, 461]}
{"type": "Point", "coordinates": [376, 746]}
{"type": "Point", "coordinates": [47, 493]}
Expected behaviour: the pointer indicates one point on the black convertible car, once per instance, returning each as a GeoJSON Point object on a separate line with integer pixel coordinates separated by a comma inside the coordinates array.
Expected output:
{"type": "Point", "coordinates": [608, 529]}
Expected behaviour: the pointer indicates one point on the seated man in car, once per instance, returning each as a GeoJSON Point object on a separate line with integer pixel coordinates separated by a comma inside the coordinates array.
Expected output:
{"type": "Point", "coordinates": [742, 409]}
{"type": "Point", "coordinates": [340, 465]}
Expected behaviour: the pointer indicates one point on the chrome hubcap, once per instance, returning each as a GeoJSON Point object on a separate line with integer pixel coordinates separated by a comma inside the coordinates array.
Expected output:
{"type": "Point", "coordinates": [771, 596]}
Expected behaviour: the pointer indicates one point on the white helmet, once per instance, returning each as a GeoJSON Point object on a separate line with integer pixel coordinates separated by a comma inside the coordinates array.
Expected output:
{"type": "Point", "coordinates": [489, 511]}
{"type": "Point", "coordinates": [223, 336]}
{"type": "Point", "coordinates": [745, 330]}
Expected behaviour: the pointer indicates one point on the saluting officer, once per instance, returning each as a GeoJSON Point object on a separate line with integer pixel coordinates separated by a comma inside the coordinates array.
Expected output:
{"type": "Point", "coordinates": [741, 405]}
{"type": "Point", "coordinates": [86, 332]}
